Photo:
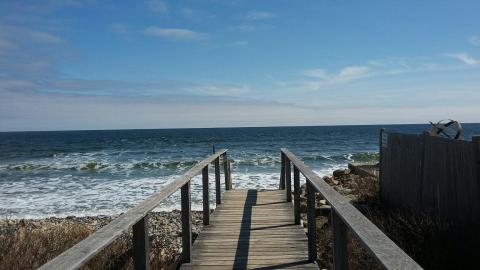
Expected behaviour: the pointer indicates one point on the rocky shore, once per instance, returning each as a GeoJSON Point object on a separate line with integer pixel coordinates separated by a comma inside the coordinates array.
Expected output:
{"type": "Point", "coordinates": [28, 243]}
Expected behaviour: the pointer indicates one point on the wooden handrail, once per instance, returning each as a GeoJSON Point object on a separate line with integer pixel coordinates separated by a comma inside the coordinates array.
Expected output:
{"type": "Point", "coordinates": [345, 215]}
{"type": "Point", "coordinates": [81, 253]}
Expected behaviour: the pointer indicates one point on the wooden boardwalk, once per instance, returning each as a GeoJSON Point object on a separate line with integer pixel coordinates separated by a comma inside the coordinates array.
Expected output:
{"type": "Point", "coordinates": [251, 229]}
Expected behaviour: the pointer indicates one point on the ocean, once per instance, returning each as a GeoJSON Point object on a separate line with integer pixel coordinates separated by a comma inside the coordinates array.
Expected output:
{"type": "Point", "coordinates": [81, 173]}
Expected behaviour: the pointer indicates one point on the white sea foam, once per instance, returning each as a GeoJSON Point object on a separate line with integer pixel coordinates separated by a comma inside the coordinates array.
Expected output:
{"type": "Point", "coordinates": [86, 196]}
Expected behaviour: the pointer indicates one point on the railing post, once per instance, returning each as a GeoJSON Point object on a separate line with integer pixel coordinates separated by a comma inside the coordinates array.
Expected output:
{"type": "Point", "coordinates": [296, 195]}
{"type": "Point", "coordinates": [311, 222]}
{"type": "Point", "coordinates": [288, 179]}
{"type": "Point", "coordinates": [282, 171]}
{"type": "Point", "coordinates": [186, 223]}
{"type": "Point", "coordinates": [225, 171]}
{"type": "Point", "coordinates": [339, 232]}
{"type": "Point", "coordinates": [141, 245]}
{"type": "Point", "coordinates": [218, 192]}
{"type": "Point", "coordinates": [229, 176]}
{"type": "Point", "coordinates": [206, 197]}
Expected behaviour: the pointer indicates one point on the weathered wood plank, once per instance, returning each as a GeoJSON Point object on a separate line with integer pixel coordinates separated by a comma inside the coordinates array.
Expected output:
{"type": "Point", "coordinates": [218, 192]}
{"type": "Point", "coordinates": [141, 244]}
{"type": "Point", "coordinates": [206, 196]}
{"type": "Point", "coordinates": [186, 223]}
{"type": "Point", "coordinates": [251, 229]}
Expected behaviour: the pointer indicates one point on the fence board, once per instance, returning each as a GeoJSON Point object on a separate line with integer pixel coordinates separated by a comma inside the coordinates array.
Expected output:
{"type": "Point", "coordinates": [433, 174]}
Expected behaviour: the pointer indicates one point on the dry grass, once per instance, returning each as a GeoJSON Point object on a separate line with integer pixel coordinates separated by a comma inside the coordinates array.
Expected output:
{"type": "Point", "coordinates": [432, 244]}
{"type": "Point", "coordinates": [23, 246]}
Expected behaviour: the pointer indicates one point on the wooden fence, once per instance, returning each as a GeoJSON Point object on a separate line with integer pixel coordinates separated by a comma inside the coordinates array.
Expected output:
{"type": "Point", "coordinates": [436, 175]}
{"type": "Point", "coordinates": [344, 217]}
{"type": "Point", "coordinates": [136, 218]}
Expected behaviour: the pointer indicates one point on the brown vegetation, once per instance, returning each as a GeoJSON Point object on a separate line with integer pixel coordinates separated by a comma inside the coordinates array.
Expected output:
{"type": "Point", "coordinates": [28, 244]}
{"type": "Point", "coordinates": [432, 244]}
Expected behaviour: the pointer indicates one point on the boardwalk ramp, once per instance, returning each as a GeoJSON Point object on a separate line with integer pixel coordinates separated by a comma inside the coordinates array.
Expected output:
{"type": "Point", "coordinates": [252, 229]}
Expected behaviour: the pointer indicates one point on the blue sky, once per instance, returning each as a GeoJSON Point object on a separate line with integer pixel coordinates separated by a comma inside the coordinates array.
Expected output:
{"type": "Point", "coordinates": [214, 63]}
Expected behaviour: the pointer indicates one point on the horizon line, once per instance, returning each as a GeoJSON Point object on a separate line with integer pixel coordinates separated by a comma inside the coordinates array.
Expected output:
{"type": "Point", "coordinates": [232, 127]}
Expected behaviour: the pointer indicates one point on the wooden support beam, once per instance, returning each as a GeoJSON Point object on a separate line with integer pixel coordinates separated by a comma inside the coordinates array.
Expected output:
{"type": "Point", "coordinates": [311, 222]}
{"type": "Point", "coordinates": [339, 232]}
{"type": "Point", "coordinates": [297, 191]}
{"type": "Point", "coordinates": [288, 180]}
{"type": "Point", "coordinates": [186, 223]}
{"type": "Point", "coordinates": [282, 172]}
{"type": "Point", "coordinates": [141, 245]}
{"type": "Point", "coordinates": [229, 176]}
{"type": "Point", "coordinates": [218, 191]}
{"type": "Point", "coordinates": [206, 196]}
{"type": "Point", "coordinates": [226, 172]}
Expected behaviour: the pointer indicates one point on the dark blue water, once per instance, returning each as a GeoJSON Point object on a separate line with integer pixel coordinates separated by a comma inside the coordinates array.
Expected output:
{"type": "Point", "coordinates": [103, 172]}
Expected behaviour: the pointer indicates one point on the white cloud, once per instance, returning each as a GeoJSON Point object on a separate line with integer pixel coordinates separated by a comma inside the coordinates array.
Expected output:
{"type": "Point", "coordinates": [320, 77]}
{"type": "Point", "coordinates": [465, 58]}
{"type": "Point", "coordinates": [474, 40]}
{"type": "Point", "coordinates": [175, 33]}
{"type": "Point", "coordinates": [43, 37]}
{"type": "Point", "coordinates": [255, 15]}
{"type": "Point", "coordinates": [157, 6]}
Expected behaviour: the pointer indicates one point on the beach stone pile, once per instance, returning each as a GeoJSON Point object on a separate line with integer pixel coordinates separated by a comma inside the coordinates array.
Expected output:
{"type": "Point", "coordinates": [164, 229]}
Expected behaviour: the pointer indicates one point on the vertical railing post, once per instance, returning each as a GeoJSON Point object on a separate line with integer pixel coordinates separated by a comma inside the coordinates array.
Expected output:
{"type": "Point", "coordinates": [225, 172]}
{"type": "Point", "coordinates": [141, 245]}
{"type": "Point", "coordinates": [218, 192]}
{"type": "Point", "coordinates": [296, 195]}
{"type": "Point", "coordinates": [282, 171]}
{"type": "Point", "coordinates": [206, 196]}
{"type": "Point", "coordinates": [288, 179]}
{"type": "Point", "coordinates": [229, 175]}
{"type": "Point", "coordinates": [339, 232]}
{"type": "Point", "coordinates": [311, 222]}
{"type": "Point", "coordinates": [186, 223]}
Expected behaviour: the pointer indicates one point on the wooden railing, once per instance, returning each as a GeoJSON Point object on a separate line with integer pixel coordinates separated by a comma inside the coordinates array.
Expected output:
{"type": "Point", "coordinates": [344, 216]}
{"type": "Point", "coordinates": [137, 219]}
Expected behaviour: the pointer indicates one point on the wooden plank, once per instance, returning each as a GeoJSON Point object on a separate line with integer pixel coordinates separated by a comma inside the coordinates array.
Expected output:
{"type": "Point", "coordinates": [206, 196]}
{"type": "Point", "coordinates": [82, 252]}
{"type": "Point", "coordinates": [297, 191]}
{"type": "Point", "coordinates": [218, 192]}
{"type": "Point", "coordinates": [288, 180]}
{"type": "Point", "coordinates": [141, 245]}
{"type": "Point", "coordinates": [247, 231]}
{"type": "Point", "coordinates": [311, 222]}
{"type": "Point", "coordinates": [282, 171]}
{"type": "Point", "coordinates": [228, 184]}
{"type": "Point", "coordinates": [186, 223]}
{"type": "Point", "coordinates": [339, 232]}
{"type": "Point", "coordinates": [387, 253]}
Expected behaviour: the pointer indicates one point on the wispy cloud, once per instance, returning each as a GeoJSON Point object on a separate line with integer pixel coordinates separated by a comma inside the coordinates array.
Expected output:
{"type": "Point", "coordinates": [465, 58]}
{"type": "Point", "coordinates": [319, 78]}
{"type": "Point", "coordinates": [157, 6]}
{"type": "Point", "coordinates": [219, 89]}
{"type": "Point", "coordinates": [474, 40]}
{"type": "Point", "coordinates": [255, 15]}
{"type": "Point", "coordinates": [175, 33]}
{"type": "Point", "coordinates": [252, 27]}
{"type": "Point", "coordinates": [43, 37]}
{"type": "Point", "coordinates": [120, 28]}
{"type": "Point", "coordinates": [316, 78]}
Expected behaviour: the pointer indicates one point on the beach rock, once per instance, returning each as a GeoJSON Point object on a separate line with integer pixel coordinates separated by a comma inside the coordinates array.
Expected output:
{"type": "Point", "coordinates": [340, 172]}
